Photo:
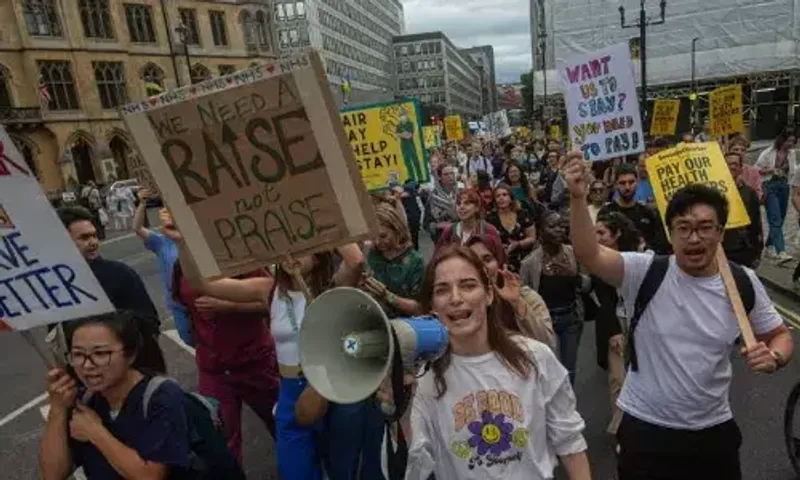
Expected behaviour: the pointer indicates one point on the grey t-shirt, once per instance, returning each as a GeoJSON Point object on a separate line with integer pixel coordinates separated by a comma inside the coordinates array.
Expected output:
{"type": "Point", "coordinates": [684, 342]}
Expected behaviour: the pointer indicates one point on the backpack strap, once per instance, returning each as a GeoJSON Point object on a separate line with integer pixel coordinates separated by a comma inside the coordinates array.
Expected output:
{"type": "Point", "coordinates": [150, 389]}
{"type": "Point", "coordinates": [647, 290]}
{"type": "Point", "coordinates": [745, 286]}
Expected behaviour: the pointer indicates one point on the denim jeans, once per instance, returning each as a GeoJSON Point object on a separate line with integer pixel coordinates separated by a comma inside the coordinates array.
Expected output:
{"type": "Point", "coordinates": [777, 202]}
{"type": "Point", "coordinates": [568, 327]}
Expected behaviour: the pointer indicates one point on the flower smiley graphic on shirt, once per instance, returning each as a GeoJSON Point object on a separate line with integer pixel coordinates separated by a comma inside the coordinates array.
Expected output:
{"type": "Point", "coordinates": [487, 428]}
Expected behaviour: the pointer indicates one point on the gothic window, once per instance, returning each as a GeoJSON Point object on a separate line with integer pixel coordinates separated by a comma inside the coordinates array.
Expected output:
{"type": "Point", "coordinates": [140, 23]}
{"type": "Point", "coordinates": [57, 78]}
{"type": "Point", "coordinates": [41, 18]}
{"type": "Point", "coordinates": [96, 19]}
{"type": "Point", "coordinates": [200, 73]}
{"type": "Point", "coordinates": [110, 78]}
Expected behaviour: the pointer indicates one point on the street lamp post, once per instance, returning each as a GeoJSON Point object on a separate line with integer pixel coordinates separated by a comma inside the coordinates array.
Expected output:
{"type": "Point", "coordinates": [642, 24]}
{"type": "Point", "coordinates": [693, 96]}
{"type": "Point", "coordinates": [183, 33]}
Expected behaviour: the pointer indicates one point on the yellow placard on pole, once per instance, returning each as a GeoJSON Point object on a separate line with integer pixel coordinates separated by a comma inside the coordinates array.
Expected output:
{"type": "Point", "coordinates": [453, 128]}
{"type": "Point", "coordinates": [431, 137]}
{"type": "Point", "coordinates": [665, 117]}
{"type": "Point", "coordinates": [725, 110]}
{"type": "Point", "coordinates": [691, 163]}
{"type": "Point", "coordinates": [387, 142]}
{"type": "Point", "coordinates": [555, 132]}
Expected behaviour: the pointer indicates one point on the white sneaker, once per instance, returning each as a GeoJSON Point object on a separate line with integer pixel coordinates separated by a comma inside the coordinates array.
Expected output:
{"type": "Point", "coordinates": [783, 257]}
{"type": "Point", "coordinates": [769, 252]}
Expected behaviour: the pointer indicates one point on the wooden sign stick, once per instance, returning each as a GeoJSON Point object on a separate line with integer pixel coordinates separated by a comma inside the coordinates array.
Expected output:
{"type": "Point", "coordinates": [294, 271]}
{"type": "Point", "coordinates": [736, 299]}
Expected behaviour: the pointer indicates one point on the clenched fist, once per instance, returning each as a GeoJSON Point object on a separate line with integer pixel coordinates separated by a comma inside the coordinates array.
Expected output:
{"type": "Point", "coordinates": [576, 175]}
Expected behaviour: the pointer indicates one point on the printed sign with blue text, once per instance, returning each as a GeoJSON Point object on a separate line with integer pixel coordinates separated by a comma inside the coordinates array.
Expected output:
{"type": "Point", "coordinates": [43, 277]}
{"type": "Point", "coordinates": [602, 107]}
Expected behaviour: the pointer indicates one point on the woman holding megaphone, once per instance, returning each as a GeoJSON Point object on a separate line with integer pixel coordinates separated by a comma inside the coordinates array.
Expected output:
{"type": "Point", "coordinates": [299, 409]}
{"type": "Point", "coordinates": [497, 405]}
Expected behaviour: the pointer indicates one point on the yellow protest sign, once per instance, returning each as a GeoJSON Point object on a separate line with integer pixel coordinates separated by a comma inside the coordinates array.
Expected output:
{"type": "Point", "coordinates": [387, 141]}
{"type": "Point", "coordinates": [665, 117]}
{"type": "Point", "coordinates": [555, 132]}
{"type": "Point", "coordinates": [431, 136]}
{"type": "Point", "coordinates": [453, 128]}
{"type": "Point", "coordinates": [725, 110]}
{"type": "Point", "coordinates": [690, 163]}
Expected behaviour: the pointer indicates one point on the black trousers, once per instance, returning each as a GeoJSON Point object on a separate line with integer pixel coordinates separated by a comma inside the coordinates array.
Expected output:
{"type": "Point", "coordinates": [651, 452]}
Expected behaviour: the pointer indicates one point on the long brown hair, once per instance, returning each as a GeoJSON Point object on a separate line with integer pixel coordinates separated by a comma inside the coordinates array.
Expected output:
{"type": "Point", "coordinates": [506, 348]}
{"type": "Point", "coordinates": [318, 280]}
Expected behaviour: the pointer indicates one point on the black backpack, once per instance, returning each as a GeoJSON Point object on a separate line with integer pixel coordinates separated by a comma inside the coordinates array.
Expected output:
{"type": "Point", "coordinates": [652, 282]}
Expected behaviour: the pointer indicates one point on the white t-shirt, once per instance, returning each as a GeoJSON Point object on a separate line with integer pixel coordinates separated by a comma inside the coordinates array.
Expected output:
{"type": "Point", "coordinates": [285, 333]}
{"type": "Point", "coordinates": [684, 341]}
{"type": "Point", "coordinates": [493, 424]}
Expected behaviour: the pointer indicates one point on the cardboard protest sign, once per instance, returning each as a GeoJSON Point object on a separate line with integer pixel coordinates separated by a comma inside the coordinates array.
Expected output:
{"type": "Point", "coordinates": [254, 166]}
{"type": "Point", "coordinates": [453, 128]}
{"type": "Point", "coordinates": [725, 110]}
{"type": "Point", "coordinates": [673, 169]}
{"type": "Point", "coordinates": [43, 277]}
{"type": "Point", "coordinates": [665, 117]}
{"type": "Point", "coordinates": [497, 124]}
{"type": "Point", "coordinates": [431, 137]}
{"type": "Point", "coordinates": [602, 107]}
{"type": "Point", "coordinates": [142, 173]}
{"type": "Point", "coordinates": [386, 139]}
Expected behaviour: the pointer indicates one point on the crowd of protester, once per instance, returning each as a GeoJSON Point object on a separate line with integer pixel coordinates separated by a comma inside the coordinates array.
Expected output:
{"type": "Point", "coordinates": [530, 243]}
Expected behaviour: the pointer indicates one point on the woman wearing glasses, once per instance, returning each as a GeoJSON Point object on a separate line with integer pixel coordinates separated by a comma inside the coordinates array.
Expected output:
{"type": "Point", "coordinates": [109, 436]}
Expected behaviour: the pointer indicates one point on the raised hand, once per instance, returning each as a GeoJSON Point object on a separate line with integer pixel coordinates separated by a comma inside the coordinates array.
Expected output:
{"type": "Point", "coordinates": [576, 175]}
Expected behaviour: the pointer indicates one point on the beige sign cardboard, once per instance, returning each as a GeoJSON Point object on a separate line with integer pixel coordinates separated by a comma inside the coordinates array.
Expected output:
{"type": "Point", "coordinates": [254, 166]}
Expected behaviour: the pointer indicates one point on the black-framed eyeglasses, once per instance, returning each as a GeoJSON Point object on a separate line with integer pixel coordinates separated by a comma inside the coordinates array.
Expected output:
{"type": "Point", "coordinates": [597, 189]}
{"type": "Point", "coordinates": [704, 231]}
{"type": "Point", "coordinates": [99, 358]}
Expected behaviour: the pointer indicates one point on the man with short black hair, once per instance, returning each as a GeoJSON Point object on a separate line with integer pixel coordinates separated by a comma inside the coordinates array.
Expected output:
{"type": "Point", "coordinates": [743, 245]}
{"type": "Point", "coordinates": [121, 283]}
{"type": "Point", "coordinates": [677, 421]}
{"type": "Point", "coordinates": [645, 218]}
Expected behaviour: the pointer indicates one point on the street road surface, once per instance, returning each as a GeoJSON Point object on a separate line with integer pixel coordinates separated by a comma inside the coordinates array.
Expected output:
{"type": "Point", "coordinates": [758, 400]}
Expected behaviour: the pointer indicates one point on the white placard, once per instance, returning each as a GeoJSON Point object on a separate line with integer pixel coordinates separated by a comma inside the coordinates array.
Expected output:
{"type": "Point", "coordinates": [43, 277]}
{"type": "Point", "coordinates": [497, 124]}
{"type": "Point", "coordinates": [602, 106]}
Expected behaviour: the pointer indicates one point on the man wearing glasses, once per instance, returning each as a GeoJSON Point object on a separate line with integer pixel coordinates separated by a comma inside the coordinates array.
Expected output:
{"type": "Point", "coordinates": [677, 421]}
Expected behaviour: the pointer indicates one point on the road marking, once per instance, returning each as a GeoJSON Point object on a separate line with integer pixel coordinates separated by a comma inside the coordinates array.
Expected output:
{"type": "Point", "coordinates": [21, 410]}
{"type": "Point", "coordinates": [118, 239]}
{"type": "Point", "coordinates": [175, 337]}
{"type": "Point", "coordinates": [792, 318]}
{"type": "Point", "coordinates": [44, 410]}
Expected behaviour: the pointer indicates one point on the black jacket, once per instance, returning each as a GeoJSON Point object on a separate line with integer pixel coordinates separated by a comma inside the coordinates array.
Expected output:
{"type": "Point", "coordinates": [647, 221]}
{"type": "Point", "coordinates": [744, 245]}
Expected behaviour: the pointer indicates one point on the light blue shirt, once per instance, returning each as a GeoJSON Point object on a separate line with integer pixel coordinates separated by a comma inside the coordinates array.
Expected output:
{"type": "Point", "coordinates": [167, 254]}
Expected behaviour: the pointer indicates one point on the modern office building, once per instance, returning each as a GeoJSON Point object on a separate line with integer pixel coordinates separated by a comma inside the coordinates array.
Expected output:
{"type": "Point", "coordinates": [483, 56]}
{"type": "Point", "coordinates": [354, 37]}
{"type": "Point", "coordinates": [431, 68]}
{"type": "Point", "coordinates": [92, 56]}
{"type": "Point", "coordinates": [734, 42]}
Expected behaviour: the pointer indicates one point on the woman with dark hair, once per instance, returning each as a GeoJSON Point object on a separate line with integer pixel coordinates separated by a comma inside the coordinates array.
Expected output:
{"type": "Point", "coordinates": [495, 399]}
{"type": "Point", "coordinates": [515, 224]}
{"type": "Point", "coordinates": [485, 190]}
{"type": "Point", "coordinates": [108, 433]}
{"type": "Point", "coordinates": [552, 270]}
{"type": "Point", "coordinates": [301, 412]}
{"type": "Point", "coordinates": [777, 164]}
{"type": "Point", "coordinates": [470, 220]}
{"type": "Point", "coordinates": [518, 181]}
{"type": "Point", "coordinates": [520, 309]}
{"type": "Point", "coordinates": [613, 230]}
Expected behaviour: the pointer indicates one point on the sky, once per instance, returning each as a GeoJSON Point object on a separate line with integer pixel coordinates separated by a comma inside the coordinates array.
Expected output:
{"type": "Point", "coordinates": [503, 24]}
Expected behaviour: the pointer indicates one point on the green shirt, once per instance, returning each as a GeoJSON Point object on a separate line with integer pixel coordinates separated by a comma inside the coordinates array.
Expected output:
{"type": "Point", "coordinates": [401, 275]}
